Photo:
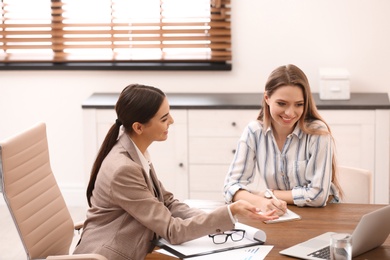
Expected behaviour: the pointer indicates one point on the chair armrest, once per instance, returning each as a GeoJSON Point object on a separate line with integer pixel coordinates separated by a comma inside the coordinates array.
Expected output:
{"type": "Point", "coordinates": [77, 257]}
{"type": "Point", "coordinates": [78, 225]}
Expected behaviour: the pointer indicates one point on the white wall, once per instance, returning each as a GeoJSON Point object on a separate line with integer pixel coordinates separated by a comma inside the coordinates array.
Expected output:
{"type": "Point", "coordinates": [352, 34]}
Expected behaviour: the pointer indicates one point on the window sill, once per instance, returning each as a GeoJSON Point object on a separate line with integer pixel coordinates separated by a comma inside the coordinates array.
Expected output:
{"type": "Point", "coordinates": [177, 66]}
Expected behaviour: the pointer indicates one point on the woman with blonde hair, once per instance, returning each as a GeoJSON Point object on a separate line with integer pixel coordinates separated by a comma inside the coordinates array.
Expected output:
{"type": "Point", "coordinates": [290, 145]}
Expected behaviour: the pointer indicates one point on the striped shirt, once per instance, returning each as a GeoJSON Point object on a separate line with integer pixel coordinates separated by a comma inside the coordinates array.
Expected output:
{"type": "Point", "coordinates": [304, 165]}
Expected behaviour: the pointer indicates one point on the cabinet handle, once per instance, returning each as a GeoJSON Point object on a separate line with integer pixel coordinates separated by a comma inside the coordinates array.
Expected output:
{"type": "Point", "coordinates": [181, 164]}
{"type": "Point", "coordinates": [234, 151]}
{"type": "Point", "coordinates": [234, 124]}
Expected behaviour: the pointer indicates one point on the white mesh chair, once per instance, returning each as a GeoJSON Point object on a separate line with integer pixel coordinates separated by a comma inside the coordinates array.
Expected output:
{"type": "Point", "coordinates": [356, 184]}
{"type": "Point", "coordinates": [34, 199]}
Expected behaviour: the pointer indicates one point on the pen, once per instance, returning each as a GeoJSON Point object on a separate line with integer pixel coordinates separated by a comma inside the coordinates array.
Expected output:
{"type": "Point", "coordinates": [275, 198]}
{"type": "Point", "coordinates": [272, 194]}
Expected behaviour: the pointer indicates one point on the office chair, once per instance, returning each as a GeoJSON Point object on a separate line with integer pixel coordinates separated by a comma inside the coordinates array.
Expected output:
{"type": "Point", "coordinates": [34, 199]}
{"type": "Point", "coordinates": [356, 184]}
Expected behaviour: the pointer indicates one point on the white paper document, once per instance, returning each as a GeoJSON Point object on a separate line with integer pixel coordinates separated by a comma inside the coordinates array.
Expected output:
{"type": "Point", "coordinates": [252, 233]}
{"type": "Point", "coordinates": [246, 253]}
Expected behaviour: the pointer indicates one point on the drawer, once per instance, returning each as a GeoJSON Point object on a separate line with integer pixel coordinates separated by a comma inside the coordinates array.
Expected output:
{"type": "Point", "coordinates": [211, 178]}
{"type": "Point", "coordinates": [212, 150]}
{"type": "Point", "coordinates": [207, 178]}
{"type": "Point", "coordinates": [219, 122]}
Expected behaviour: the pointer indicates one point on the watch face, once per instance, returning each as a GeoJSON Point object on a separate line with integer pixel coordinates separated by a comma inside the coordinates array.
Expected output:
{"type": "Point", "coordinates": [267, 195]}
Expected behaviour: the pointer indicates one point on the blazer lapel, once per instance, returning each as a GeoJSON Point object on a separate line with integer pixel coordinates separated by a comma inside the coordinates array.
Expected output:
{"type": "Point", "coordinates": [155, 183]}
{"type": "Point", "coordinates": [126, 142]}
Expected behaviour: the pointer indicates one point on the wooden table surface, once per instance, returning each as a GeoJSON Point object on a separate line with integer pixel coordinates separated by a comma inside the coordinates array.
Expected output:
{"type": "Point", "coordinates": [315, 221]}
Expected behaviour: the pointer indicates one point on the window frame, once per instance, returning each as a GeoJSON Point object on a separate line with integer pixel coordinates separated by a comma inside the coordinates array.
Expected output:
{"type": "Point", "coordinates": [218, 9]}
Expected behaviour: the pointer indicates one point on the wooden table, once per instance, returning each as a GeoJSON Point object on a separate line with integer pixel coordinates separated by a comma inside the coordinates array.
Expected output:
{"type": "Point", "coordinates": [315, 221]}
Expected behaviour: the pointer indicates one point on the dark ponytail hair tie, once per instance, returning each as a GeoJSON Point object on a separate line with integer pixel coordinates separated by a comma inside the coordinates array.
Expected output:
{"type": "Point", "coordinates": [118, 122]}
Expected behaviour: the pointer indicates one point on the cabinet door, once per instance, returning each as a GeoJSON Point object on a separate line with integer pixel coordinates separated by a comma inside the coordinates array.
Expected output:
{"type": "Point", "coordinates": [354, 134]}
{"type": "Point", "coordinates": [206, 181]}
{"type": "Point", "coordinates": [105, 118]}
{"type": "Point", "coordinates": [170, 158]}
{"type": "Point", "coordinates": [212, 150]}
{"type": "Point", "coordinates": [204, 187]}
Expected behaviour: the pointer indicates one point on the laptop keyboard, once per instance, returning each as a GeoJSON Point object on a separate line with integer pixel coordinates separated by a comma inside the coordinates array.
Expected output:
{"type": "Point", "coordinates": [323, 253]}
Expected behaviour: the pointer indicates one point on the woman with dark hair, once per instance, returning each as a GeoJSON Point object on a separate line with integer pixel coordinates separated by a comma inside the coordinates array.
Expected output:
{"type": "Point", "coordinates": [129, 206]}
{"type": "Point", "coordinates": [290, 146]}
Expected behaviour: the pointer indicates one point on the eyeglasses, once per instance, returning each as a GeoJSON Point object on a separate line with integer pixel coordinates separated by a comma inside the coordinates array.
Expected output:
{"type": "Point", "coordinates": [234, 234]}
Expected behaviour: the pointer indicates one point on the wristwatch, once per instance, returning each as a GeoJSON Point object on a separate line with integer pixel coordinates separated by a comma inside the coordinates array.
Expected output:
{"type": "Point", "coordinates": [267, 195]}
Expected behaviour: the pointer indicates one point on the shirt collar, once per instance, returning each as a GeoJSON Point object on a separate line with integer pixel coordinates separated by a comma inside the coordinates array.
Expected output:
{"type": "Point", "coordinates": [144, 158]}
{"type": "Point", "coordinates": [297, 131]}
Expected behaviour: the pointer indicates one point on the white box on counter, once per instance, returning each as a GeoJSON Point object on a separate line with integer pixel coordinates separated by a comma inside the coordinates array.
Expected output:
{"type": "Point", "coordinates": [334, 84]}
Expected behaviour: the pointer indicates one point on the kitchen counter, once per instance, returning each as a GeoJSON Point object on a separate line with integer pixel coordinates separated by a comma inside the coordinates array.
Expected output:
{"type": "Point", "coordinates": [243, 101]}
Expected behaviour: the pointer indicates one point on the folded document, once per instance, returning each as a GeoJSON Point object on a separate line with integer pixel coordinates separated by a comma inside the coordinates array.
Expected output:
{"type": "Point", "coordinates": [205, 245]}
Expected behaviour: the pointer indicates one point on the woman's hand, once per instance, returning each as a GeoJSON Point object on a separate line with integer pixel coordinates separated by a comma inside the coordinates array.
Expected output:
{"type": "Point", "coordinates": [279, 206]}
{"type": "Point", "coordinates": [243, 209]}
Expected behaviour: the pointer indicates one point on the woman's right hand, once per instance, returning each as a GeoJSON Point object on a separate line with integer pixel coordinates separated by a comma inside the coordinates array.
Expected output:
{"type": "Point", "coordinates": [243, 209]}
{"type": "Point", "coordinates": [280, 206]}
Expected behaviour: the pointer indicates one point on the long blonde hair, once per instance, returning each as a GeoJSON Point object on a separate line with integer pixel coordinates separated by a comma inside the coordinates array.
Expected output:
{"type": "Point", "coordinates": [291, 75]}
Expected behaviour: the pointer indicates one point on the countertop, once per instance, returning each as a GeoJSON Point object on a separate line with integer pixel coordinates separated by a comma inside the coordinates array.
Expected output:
{"type": "Point", "coordinates": [364, 101]}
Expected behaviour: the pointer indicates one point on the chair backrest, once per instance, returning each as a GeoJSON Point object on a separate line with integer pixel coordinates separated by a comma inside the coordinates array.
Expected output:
{"type": "Point", "coordinates": [32, 195]}
{"type": "Point", "coordinates": [356, 184]}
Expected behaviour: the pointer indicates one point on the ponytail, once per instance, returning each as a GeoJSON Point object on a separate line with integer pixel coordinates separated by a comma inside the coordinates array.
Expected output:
{"type": "Point", "coordinates": [106, 147]}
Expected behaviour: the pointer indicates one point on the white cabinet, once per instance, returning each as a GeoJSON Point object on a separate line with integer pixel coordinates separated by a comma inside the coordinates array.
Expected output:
{"type": "Point", "coordinates": [194, 160]}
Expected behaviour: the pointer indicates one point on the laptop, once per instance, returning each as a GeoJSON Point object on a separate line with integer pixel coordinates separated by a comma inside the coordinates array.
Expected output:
{"type": "Point", "coordinates": [371, 232]}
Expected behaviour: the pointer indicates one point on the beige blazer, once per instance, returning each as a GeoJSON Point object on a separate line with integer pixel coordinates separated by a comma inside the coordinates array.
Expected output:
{"type": "Point", "coordinates": [127, 214]}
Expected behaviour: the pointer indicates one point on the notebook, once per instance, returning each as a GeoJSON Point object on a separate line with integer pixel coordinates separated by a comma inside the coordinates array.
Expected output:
{"type": "Point", "coordinates": [288, 216]}
{"type": "Point", "coordinates": [371, 231]}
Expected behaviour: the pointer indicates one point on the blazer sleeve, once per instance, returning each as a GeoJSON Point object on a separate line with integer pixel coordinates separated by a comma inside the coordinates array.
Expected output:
{"type": "Point", "coordinates": [129, 190]}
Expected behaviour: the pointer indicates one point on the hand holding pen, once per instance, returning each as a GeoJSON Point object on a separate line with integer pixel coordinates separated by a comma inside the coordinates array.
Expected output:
{"type": "Point", "coordinates": [279, 205]}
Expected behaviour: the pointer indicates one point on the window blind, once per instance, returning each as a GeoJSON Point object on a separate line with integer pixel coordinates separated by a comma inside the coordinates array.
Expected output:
{"type": "Point", "coordinates": [63, 31]}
